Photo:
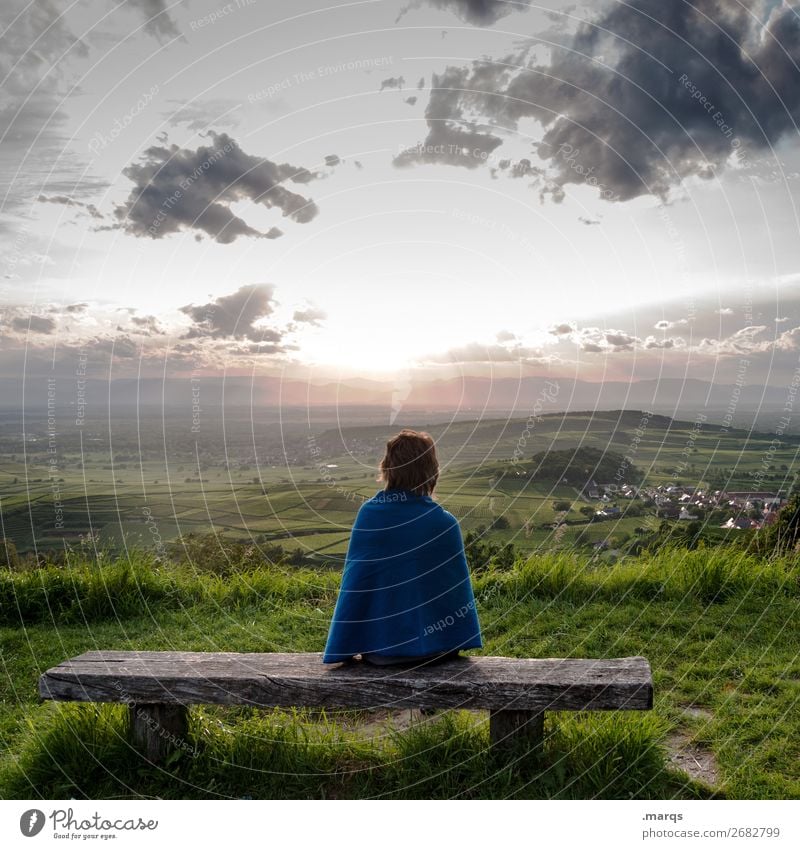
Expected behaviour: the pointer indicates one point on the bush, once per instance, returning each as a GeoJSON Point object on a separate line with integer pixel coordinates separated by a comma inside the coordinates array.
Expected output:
{"type": "Point", "coordinates": [8, 554]}
{"type": "Point", "coordinates": [500, 523]}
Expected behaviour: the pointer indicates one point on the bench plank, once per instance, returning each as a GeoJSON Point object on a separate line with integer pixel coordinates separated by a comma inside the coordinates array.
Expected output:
{"type": "Point", "coordinates": [302, 680]}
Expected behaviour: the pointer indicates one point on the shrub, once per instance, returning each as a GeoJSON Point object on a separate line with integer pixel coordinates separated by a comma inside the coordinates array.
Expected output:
{"type": "Point", "coordinates": [8, 554]}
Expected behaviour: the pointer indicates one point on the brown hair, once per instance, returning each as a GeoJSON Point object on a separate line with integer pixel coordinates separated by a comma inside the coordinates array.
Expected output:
{"type": "Point", "coordinates": [410, 462]}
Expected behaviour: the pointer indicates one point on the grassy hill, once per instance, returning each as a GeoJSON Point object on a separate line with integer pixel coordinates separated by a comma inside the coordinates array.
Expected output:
{"type": "Point", "coordinates": [716, 627]}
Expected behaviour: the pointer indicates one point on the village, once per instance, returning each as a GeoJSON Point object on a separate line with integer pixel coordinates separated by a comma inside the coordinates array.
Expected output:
{"type": "Point", "coordinates": [742, 510]}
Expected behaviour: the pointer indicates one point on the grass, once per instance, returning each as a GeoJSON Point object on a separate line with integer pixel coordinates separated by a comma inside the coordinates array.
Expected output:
{"type": "Point", "coordinates": [717, 627]}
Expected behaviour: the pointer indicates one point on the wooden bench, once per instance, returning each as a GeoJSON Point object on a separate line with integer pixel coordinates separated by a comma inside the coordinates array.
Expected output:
{"type": "Point", "coordinates": [159, 686]}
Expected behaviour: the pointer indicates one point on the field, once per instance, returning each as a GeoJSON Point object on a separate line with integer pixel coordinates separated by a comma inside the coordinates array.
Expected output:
{"type": "Point", "coordinates": [715, 622]}
{"type": "Point", "coordinates": [273, 477]}
{"type": "Point", "coordinates": [717, 628]}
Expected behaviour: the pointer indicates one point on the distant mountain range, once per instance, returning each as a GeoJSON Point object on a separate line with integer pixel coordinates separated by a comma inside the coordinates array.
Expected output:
{"type": "Point", "coordinates": [747, 406]}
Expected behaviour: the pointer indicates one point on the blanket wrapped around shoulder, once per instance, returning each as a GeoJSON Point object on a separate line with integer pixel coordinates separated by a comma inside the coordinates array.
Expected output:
{"type": "Point", "coordinates": [405, 587]}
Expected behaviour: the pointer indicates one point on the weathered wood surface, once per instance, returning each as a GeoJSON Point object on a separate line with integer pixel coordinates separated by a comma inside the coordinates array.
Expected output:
{"type": "Point", "coordinates": [302, 680]}
{"type": "Point", "coordinates": [509, 726]}
{"type": "Point", "coordinates": [158, 729]}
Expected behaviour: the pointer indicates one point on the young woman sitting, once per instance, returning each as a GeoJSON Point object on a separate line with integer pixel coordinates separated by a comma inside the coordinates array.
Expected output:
{"type": "Point", "coordinates": [406, 596]}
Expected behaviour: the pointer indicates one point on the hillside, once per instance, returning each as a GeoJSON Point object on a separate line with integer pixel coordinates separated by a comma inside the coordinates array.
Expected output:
{"type": "Point", "coordinates": [714, 626]}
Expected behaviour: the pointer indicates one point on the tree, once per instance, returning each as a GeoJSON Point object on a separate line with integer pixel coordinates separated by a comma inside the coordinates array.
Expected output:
{"type": "Point", "coordinates": [587, 511]}
{"type": "Point", "coordinates": [784, 536]}
{"type": "Point", "coordinates": [9, 558]}
{"type": "Point", "coordinates": [500, 523]}
{"type": "Point", "coordinates": [562, 506]}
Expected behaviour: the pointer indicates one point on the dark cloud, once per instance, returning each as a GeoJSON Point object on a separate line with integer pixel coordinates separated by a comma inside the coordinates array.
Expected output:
{"type": "Point", "coordinates": [147, 325]}
{"type": "Point", "coordinates": [618, 337]}
{"type": "Point", "coordinates": [481, 13]}
{"type": "Point", "coordinates": [621, 341]}
{"type": "Point", "coordinates": [332, 159]}
{"type": "Point", "coordinates": [670, 342]}
{"type": "Point", "coordinates": [411, 101]}
{"type": "Point", "coordinates": [232, 316]}
{"type": "Point", "coordinates": [646, 94]}
{"type": "Point", "coordinates": [179, 189]}
{"type": "Point", "coordinates": [587, 221]}
{"type": "Point", "coordinates": [561, 329]}
{"type": "Point", "coordinates": [63, 200]}
{"type": "Point", "coordinates": [158, 21]}
{"type": "Point", "coordinates": [393, 82]}
{"type": "Point", "coordinates": [33, 324]}
{"type": "Point", "coordinates": [77, 308]}
{"type": "Point", "coordinates": [453, 138]}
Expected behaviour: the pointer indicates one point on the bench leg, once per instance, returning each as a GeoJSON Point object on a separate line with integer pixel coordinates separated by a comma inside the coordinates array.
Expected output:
{"type": "Point", "coordinates": [508, 726]}
{"type": "Point", "coordinates": [157, 729]}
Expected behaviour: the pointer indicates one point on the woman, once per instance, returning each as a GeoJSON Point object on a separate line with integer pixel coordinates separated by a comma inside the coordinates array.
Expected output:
{"type": "Point", "coordinates": [406, 595]}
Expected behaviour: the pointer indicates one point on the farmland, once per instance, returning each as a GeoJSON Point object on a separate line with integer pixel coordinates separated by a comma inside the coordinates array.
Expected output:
{"type": "Point", "coordinates": [297, 479]}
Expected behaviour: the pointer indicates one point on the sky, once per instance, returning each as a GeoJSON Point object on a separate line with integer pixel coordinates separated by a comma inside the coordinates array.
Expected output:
{"type": "Point", "coordinates": [401, 190]}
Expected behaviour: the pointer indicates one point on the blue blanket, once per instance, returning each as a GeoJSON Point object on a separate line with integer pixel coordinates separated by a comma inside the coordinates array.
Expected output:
{"type": "Point", "coordinates": [405, 588]}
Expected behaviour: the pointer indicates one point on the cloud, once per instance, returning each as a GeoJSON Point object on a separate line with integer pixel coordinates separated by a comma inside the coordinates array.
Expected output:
{"type": "Point", "coordinates": [147, 325]}
{"type": "Point", "coordinates": [411, 101]}
{"type": "Point", "coordinates": [233, 316]}
{"type": "Point", "coordinates": [669, 342]}
{"type": "Point", "coordinates": [332, 160]}
{"type": "Point", "coordinates": [310, 315]}
{"type": "Point", "coordinates": [33, 324]}
{"type": "Point", "coordinates": [587, 221]}
{"type": "Point", "coordinates": [63, 200]}
{"type": "Point", "coordinates": [621, 340]}
{"type": "Point", "coordinates": [119, 346]}
{"type": "Point", "coordinates": [597, 340]}
{"type": "Point", "coordinates": [666, 324]}
{"type": "Point", "coordinates": [475, 352]}
{"type": "Point", "coordinates": [453, 137]}
{"type": "Point", "coordinates": [158, 21]}
{"type": "Point", "coordinates": [179, 189]}
{"type": "Point", "coordinates": [724, 311]}
{"type": "Point", "coordinates": [481, 13]}
{"type": "Point", "coordinates": [393, 82]}
{"type": "Point", "coordinates": [200, 115]}
{"type": "Point", "coordinates": [38, 67]}
{"type": "Point", "coordinates": [645, 95]}
{"type": "Point", "coordinates": [744, 341]}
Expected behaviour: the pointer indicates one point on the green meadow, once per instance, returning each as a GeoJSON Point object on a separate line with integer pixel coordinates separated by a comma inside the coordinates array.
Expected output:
{"type": "Point", "coordinates": [718, 626]}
